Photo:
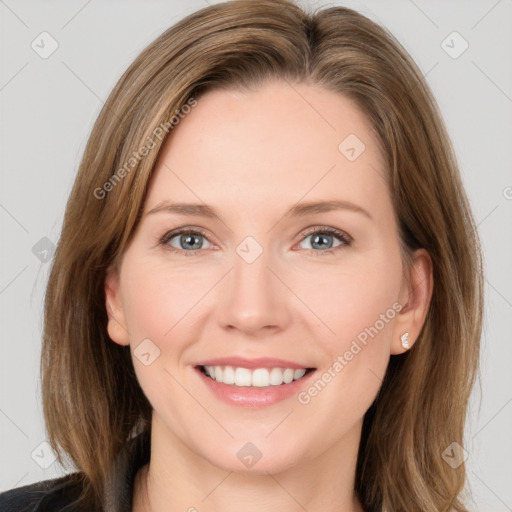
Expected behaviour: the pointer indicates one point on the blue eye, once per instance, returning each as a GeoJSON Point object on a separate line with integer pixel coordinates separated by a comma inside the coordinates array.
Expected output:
{"type": "Point", "coordinates": [322, 240]}
{"type": "Point", "coordinates": [188, 242]}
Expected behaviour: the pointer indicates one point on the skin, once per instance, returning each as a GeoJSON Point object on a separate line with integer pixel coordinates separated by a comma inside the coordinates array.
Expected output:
{"type": "Point", "coordinates": [252, 156]}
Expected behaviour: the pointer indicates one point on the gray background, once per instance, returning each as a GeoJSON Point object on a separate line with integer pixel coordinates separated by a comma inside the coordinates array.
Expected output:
{"type": "Point", "coordinates": [48, 108]}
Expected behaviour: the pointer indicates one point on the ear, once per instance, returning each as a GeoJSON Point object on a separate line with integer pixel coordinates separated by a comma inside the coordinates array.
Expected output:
{"type": "Point", "coordinates": [116, 326]}
{"type": "Point", "coordinates": [414, 298]}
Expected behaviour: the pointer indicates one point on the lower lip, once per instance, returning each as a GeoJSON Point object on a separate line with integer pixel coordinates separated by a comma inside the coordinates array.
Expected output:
{"type": "Point", "coordinates": [244, 396]}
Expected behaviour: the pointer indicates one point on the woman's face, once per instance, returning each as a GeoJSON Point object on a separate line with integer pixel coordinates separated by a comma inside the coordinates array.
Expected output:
{"type": "Point", "coordinates": [263, 279]}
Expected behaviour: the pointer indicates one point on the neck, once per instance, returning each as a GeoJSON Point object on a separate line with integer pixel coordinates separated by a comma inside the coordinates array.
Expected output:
{"type": "Point", "coordinates": [178, 479]}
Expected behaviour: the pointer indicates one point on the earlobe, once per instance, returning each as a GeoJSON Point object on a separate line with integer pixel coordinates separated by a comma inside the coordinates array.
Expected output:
{"type": "Point", "coordinates": [416, 294]}
{"type": "Point", "coordinates": [116, 326]}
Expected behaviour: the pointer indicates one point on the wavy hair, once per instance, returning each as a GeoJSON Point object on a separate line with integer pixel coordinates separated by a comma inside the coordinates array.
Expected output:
{"type": "Point", "coordinates": [92, 401]}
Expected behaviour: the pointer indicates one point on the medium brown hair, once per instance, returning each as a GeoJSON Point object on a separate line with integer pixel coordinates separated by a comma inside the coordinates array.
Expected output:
{"type": "Point", "coordinates": [92, 401]}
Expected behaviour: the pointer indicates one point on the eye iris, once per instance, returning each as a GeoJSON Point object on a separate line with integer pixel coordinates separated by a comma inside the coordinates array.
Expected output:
{"type": "Point", "coordinates": [191, 238]}
{"type": "Point", "coordinates": [324, 238]}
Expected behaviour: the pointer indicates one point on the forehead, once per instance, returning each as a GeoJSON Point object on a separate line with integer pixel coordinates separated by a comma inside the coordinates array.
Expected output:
{"type": "Point", "coordinates": [276, 145]}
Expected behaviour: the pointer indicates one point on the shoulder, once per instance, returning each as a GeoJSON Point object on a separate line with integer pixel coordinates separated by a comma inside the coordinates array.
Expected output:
{"type": "Point", "coordinates": [45, 496]}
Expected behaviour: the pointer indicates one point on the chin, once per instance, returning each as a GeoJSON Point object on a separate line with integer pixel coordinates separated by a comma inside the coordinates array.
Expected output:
{"type": "Point", "coordinates": [257, 457]}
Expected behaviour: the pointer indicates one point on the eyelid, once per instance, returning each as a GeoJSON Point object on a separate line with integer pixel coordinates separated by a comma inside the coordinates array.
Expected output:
{"type": "Point", "coordinates": [180, 231]}
{"type": "Point", "coordinates": [341, 235]}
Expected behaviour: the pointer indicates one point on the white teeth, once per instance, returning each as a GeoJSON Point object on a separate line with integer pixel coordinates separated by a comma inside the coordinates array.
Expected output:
{"type": "Point", "coordinates": [287, 375]}
{"type": "Point", "coordinates": [260, 377]}
{"type": "Point", "coordinates": [276, 376]}
{"type": "Point", "coordinates": [242, 376]}
{"type": "Point", "coordinates": [228, 376]}
{"type": "Point", "coordinates": [297, 374]}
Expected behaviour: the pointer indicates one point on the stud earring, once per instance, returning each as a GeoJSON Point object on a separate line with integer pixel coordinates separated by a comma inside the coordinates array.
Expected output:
{"type": "Point", "coordinates": [404, 339]}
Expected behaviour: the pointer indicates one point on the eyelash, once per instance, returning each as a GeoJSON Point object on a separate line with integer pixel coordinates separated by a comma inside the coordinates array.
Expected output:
{"type": "Point", "coordinates": [343, 237]}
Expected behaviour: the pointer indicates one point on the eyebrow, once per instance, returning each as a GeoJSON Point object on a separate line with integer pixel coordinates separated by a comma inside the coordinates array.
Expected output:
{"type": "Point", "coordinates": [298, 210]}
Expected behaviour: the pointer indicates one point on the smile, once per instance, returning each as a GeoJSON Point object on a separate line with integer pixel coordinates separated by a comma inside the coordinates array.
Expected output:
{"type": "Point", "coordinates": [259, 377]}
{"type": "Point", "coordinates": [253, 383]}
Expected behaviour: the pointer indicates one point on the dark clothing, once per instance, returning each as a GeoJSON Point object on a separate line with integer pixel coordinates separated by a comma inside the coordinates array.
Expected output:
{"type": "Point", "coordinates": [58, 493]}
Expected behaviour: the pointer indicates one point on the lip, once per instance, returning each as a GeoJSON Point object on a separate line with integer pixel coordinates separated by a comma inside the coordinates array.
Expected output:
{"type": "Point", "coordinates": [252, 364]}
{"type": "Point", "coordinates": [254, 397]}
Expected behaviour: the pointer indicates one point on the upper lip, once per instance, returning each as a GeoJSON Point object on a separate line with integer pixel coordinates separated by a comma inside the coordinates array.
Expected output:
{"type": "Point", "coordinates": [260, 362]}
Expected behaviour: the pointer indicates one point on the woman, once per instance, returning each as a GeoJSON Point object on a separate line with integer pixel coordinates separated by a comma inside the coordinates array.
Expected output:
{"type": "Point", "coordinates": [198, 354]}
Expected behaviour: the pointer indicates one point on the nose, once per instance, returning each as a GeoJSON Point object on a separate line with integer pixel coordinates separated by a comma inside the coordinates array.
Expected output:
{"type": "Point", "coordinates": [253, 300]}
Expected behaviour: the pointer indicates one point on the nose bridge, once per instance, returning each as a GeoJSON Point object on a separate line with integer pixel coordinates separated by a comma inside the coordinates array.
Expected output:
{"type": "Point", "coordinates": [252, 297]}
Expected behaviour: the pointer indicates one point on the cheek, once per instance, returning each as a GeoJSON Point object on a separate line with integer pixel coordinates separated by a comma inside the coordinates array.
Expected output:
{"type": "Point", "coordinates": [161, 304]}
{"type": "Point", "coordinates": [157, 298]}
{"type": "Point", "coordinates": [360, 307]}
{"type": "Point", "coordinates": [157, 302]}
{"type": "Point", "coordinates": [353, 301]}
